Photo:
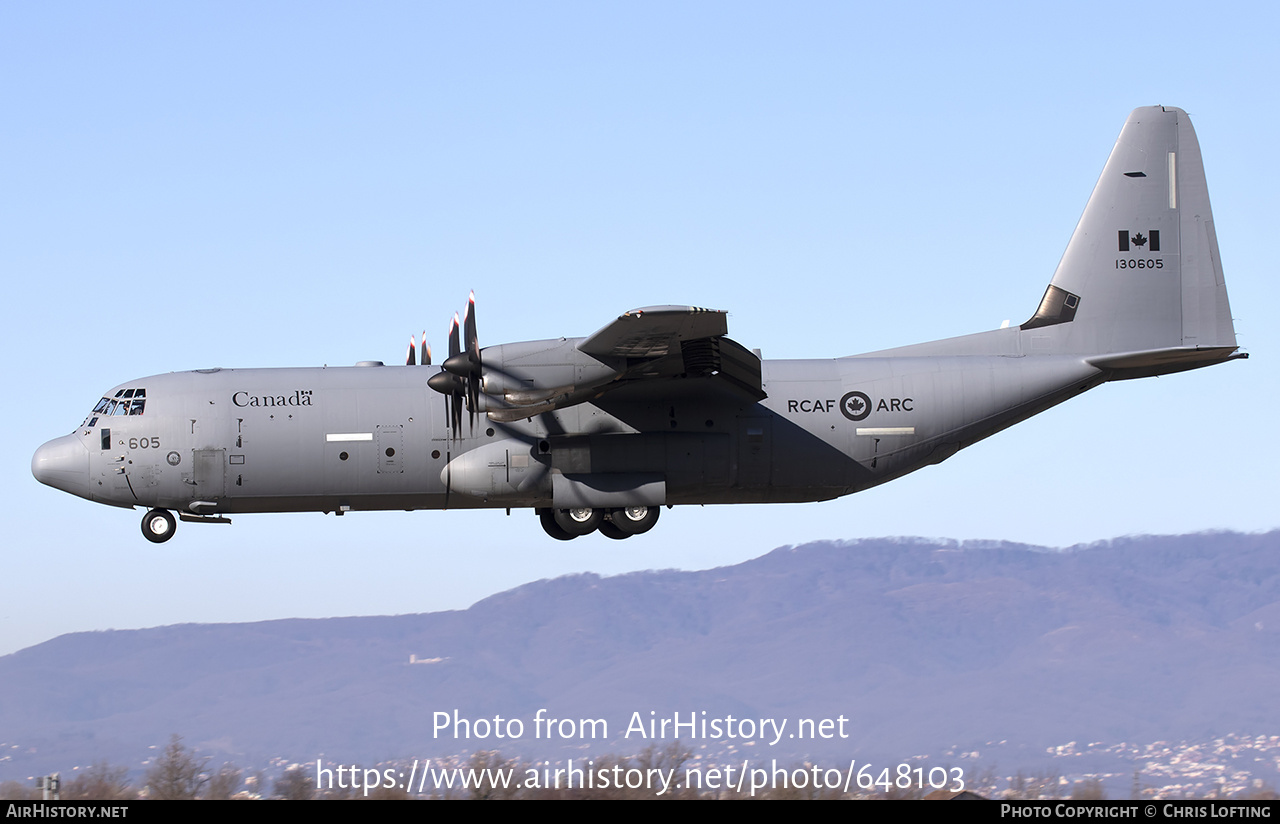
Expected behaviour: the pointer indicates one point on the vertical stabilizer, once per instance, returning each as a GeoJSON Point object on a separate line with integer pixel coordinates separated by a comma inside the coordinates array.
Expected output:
{"type": "Point", "coordinates": [1141, 273]}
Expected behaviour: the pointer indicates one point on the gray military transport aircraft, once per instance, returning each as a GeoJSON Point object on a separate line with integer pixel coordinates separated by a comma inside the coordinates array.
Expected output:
{"type": "Point", "coordinates": [659, 407]}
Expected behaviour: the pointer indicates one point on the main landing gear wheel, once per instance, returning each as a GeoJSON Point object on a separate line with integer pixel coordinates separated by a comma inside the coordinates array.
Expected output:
{"type": "Point", "coordinates": [610, 530]}
{"type": "Point", "coordinates": [579, 521]}
{"type": "Point", "coordinates": [158, 526]}
{"type": "Point", "coordinates": [634, 520]}
{"type": "Point", "coordinates": [548, 517]}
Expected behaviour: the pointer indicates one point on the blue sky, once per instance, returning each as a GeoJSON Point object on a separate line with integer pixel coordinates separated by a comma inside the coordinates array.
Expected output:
{"type": "Point", "coordinates": [290, 184]}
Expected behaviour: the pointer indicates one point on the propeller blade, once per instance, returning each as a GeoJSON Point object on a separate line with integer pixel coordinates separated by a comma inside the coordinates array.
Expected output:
{"type": "Point", "coordinates": [454, 400]}
{"type": "Point", "coordinates": [472, 351]}
{"type": "Point", "coordinates": [473, 399]}
{"type": "Point", "coordinates": [426, 350]}
{"type": "Point", "coordinates": [472, 341]}
{"type": "Point", "coordinates": [471, 361]}
{"type": "Point", "coordinates": [413, 347]}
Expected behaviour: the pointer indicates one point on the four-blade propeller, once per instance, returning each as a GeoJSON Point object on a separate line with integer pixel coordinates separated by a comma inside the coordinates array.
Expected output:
{"type": "Point", "coordinates": [459, 379]}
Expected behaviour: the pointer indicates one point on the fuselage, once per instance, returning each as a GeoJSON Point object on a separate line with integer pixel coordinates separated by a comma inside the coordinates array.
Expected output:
{"type": "Point", "coordinates": [224, 441]}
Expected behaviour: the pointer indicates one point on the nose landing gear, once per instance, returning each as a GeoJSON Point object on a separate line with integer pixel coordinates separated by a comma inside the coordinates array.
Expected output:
{"type": "Point", "coordinates": [158, 526]}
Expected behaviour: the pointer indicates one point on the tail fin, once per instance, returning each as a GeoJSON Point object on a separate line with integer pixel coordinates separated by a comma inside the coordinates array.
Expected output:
{"type": "Point", "coordinates": [1140, 287]}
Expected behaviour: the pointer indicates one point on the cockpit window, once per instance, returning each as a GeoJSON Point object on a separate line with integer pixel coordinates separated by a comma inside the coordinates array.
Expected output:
{"type": "Point", "coordinates": [125, 402]}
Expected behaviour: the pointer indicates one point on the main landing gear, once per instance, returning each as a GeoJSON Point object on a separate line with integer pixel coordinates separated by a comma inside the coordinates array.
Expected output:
{"type": "Point", "coordinates": [158, 526]}
{"type": "Point", "coordinates": [567, 524]}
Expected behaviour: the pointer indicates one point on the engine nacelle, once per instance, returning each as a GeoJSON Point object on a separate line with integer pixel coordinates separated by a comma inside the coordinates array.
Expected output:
{"type": "Point", "coordinates": [502, 469]}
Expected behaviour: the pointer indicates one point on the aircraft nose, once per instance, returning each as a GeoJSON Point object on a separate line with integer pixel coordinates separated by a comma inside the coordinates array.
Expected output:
{"type": "Point", "coordinates": [63, 463]}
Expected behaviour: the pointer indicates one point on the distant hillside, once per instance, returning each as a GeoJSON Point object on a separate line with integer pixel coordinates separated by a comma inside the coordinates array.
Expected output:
{"type": "Point", "coordinates": [920, 645]}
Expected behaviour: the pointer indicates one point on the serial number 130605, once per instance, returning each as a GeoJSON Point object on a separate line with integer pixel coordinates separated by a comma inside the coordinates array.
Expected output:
{"type": "Point", "coordinates": [1139, 263]}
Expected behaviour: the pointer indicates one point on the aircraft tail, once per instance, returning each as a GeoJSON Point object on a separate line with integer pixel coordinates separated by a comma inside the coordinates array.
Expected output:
{"type": "Point", "coordinates": [1139, 290]}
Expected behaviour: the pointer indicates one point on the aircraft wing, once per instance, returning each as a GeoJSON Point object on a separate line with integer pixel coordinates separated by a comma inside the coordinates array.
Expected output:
{"type": "Point", "coordinates": [643, 349]}
{"type": "Point", "coordinates": [654, 331]}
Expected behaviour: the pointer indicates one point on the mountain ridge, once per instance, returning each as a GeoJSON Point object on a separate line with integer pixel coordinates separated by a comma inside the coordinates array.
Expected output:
{"type": "Point", "coordinates": [922, 644]}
